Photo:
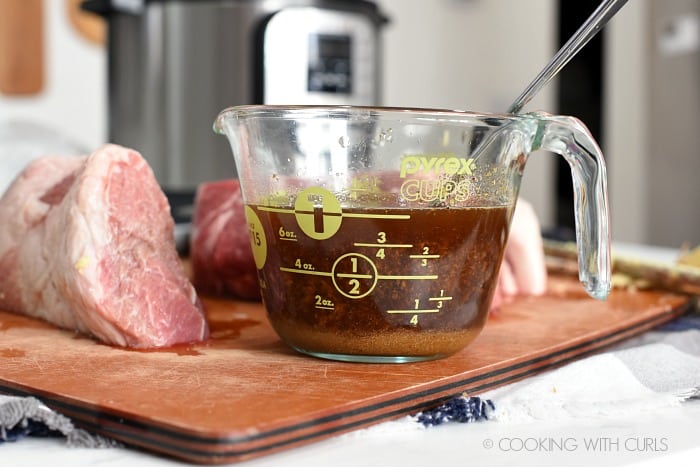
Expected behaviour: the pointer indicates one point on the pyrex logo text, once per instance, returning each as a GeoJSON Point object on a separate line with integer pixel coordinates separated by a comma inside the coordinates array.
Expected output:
{"type": "Point", "coordinates": [447, 163]}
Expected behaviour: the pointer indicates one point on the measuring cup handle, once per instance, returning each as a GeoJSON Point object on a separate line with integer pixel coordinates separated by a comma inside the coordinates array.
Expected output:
{"type": "Point", "coordinates": [570, 138]}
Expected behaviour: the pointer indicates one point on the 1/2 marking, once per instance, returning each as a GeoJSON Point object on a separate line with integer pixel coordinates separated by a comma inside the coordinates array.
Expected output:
{"type": "Point", "coordinates": [354, 275]}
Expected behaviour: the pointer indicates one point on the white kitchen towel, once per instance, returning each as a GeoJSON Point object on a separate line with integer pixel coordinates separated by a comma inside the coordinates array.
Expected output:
{"type": "Point", "coordinates": [27, 416]}
{"type": "Point", "coordinates": [613, 384]}
{"type": "Point", "coordinates": [659, 369]}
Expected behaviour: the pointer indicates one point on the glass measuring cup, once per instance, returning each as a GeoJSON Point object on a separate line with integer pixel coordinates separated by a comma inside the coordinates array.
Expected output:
{"type": "Point", "coordinates": [378, 233]}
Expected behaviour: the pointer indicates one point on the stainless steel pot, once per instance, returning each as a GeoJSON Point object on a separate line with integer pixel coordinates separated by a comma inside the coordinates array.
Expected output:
{"type": "Point", "coordinates": [173, 65]}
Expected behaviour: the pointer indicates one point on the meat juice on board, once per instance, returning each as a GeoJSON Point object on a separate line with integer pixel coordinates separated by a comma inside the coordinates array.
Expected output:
{"type": "Point", "coordinates": [378, 281]}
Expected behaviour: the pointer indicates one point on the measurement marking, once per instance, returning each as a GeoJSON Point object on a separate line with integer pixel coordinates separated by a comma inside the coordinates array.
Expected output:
{"type": "Point", "coordinates": [289, 239]}
{"type": "Point", "coordinates": [344, 214]}
{"type": "Point", "coordinates": [376, 216]}
{"type": "Point", "coordinates": [355, 276]}
{"type": "Point", "coordinates": [305, 271]}
{"type": "Point", "coordinates": [413, 312]}
{"type": "Point", "coordinates": [384, 245]}
{"type": "Point", "coordinates": [407, 277]}
{"type": "Point", "coordinates": [317, 212]}
{"type": "Point", "coordinates": [439, 299]}
{"type": "Point", "coordinates": [424, 256]}
{"type": "Point", "coordinates": [327, 308]}
{"type": "Point", "coordinates": [300, 211]}
{"type": "Point", "coordinates": [273, 209]}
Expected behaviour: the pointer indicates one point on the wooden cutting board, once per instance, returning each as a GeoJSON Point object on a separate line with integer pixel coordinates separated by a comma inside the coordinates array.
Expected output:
{"type": "Point", "coordinates": [244, 394]}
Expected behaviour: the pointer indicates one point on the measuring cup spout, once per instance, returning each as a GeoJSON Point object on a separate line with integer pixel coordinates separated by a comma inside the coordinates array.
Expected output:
{"type": "Point", "coordinates": [570, 138]}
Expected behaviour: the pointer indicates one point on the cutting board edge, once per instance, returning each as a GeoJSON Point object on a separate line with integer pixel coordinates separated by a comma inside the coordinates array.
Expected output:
{"type": "Point", "coordinates": [226, 448]}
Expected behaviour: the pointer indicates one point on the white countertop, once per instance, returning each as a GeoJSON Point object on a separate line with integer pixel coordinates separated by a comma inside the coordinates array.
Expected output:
{"type": "Point", "coordinates": [669, 437]}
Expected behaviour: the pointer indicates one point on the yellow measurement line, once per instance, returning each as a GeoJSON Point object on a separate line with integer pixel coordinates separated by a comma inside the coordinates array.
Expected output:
{"type": "Point", "coordinates": [272, 209]}
{"type": "Point", "coordinates": [407, 277]}
{"type": "Point", "coordinates": [288, 239]}
{"type": "Point", "coordinates": [325, 213]}
{"type": "Point", "coordinates": [384, 245]}
{"type": "Point", "coordinates": [412, 312]}
{"type": "Point", "coordinates": [376, 216]}
{"type": "Point", "coordinates": [355, 276]}
{"type": "Point", "coordinates": [424, 256]}
{"type": "Point", "coordinates": [328, 308]}
{"type": "Point", "coordinates": [344, 214]}
{"type": "Point", "coordinates": [439, 299]}
{"type": "Point", "coordinates": [305, 271]}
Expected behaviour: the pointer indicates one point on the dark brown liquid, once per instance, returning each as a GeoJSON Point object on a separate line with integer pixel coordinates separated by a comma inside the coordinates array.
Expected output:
{"type": "Point", "coordinates": [416, 283]}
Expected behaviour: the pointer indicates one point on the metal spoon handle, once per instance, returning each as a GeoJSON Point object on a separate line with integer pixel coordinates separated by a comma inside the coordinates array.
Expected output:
{"type": "Point", "coordinates": [585, 33]}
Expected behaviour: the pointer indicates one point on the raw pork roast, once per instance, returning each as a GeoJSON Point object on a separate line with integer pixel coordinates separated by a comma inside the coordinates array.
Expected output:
{"type": "Point", "coordinates": [87, 243]}
{"type": "Point", "coordinates": [220, 251]}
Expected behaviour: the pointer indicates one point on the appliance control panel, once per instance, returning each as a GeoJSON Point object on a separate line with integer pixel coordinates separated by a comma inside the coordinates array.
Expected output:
{"type": "Point", "coordinates": [320, 56]}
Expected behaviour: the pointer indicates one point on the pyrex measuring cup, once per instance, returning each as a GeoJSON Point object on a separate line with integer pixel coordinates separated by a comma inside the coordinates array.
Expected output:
{"type": "Point", "coordinates": [378, 233]}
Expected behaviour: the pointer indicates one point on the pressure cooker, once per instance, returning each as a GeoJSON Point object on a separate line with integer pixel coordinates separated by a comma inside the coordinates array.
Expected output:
{"type": "Point", "coordinates": [173, 65]}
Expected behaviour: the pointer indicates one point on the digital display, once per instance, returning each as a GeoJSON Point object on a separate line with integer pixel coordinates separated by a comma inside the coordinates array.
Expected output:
{"type": "Point", "coordinates": [330, 64]}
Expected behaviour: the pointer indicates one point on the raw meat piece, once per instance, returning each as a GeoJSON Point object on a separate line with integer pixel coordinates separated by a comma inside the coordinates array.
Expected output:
{"type": "Point", "coordinates": [87, 243]}
{"type": "Point", "coordinates": [220, 251]}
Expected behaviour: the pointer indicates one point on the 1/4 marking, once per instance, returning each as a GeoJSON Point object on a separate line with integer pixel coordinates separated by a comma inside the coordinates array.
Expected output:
{"type": "Point", "coordinates": [408, 312]}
